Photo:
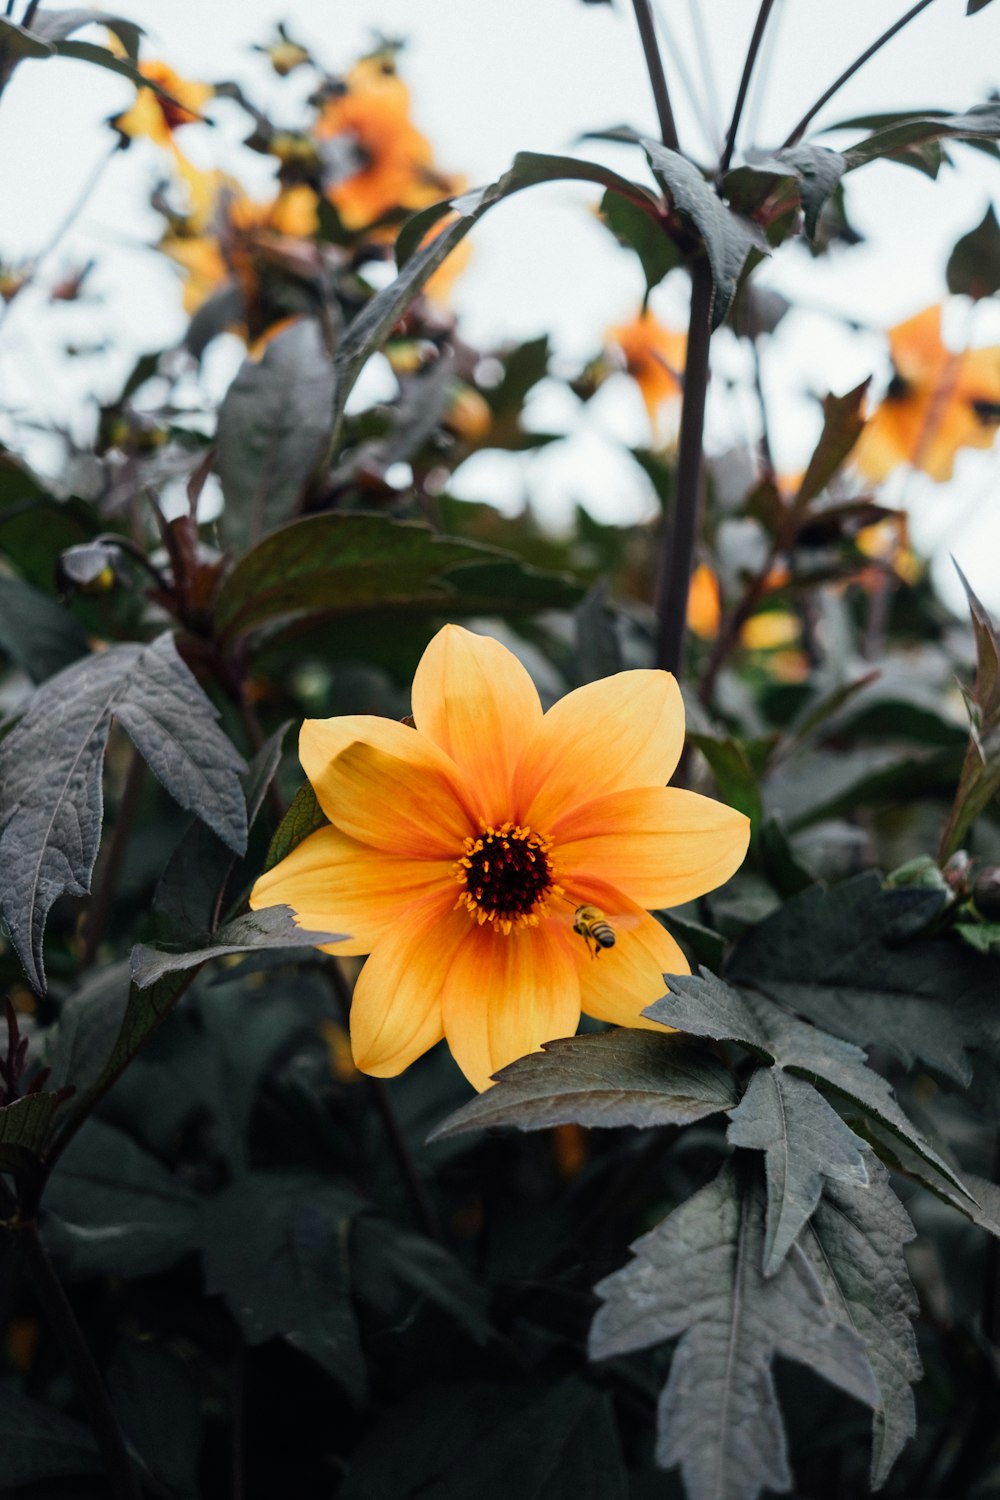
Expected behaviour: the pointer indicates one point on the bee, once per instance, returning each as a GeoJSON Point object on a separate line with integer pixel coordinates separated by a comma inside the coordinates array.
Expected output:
{"type": "Point", "coordinates": [594, 927]}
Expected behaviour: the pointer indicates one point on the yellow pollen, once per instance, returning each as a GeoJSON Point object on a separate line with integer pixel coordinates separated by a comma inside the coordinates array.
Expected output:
{"type": "Point", "coordinates": [507, 877]}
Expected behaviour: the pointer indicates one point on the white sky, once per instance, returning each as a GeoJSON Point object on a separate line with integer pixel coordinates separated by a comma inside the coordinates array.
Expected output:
{"type": "Point", "coordinates": [489, 79]}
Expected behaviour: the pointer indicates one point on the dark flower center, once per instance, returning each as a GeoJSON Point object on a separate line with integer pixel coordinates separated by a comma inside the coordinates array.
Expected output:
{"type": "Point", "coordinates": [507, 875]}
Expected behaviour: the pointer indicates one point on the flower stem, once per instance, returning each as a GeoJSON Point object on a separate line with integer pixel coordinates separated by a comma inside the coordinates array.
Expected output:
{"type": "Point", "coordinates": [849, 72]}
{"type": "Point", "coordinates": [678, 540]}
{"type": "Point", "coordinates": [741, 95]}
{"type": "Point", "coordinates": [90, 1387]}
{"type": "Point", "coordinates": [423, 1208]}
{"type": "Point", "coordinates": [657, 77]}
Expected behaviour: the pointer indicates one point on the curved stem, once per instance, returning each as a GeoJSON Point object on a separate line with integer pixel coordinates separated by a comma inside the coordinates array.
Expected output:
{"type": "Point", "coordinates": [859, 62]}
{"type": "Point", "coordinates": [657, 77]}
{"type": "Point", "coordinates": [741, 94]}
{"type": "Point", "coordinates": [90, 1387]}
{"type": "Point", "coordinates": [677, 546]}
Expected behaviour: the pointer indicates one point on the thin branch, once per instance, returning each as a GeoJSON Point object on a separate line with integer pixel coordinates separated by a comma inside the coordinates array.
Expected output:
{"type": "Point", "coordinates": [90, 1387]}
{"type": "Point", "coordinates": [657, 77]}
{"type": "Point", "coordinates": [64, 225]}
{"type": "Point", "coordinates": [741, 93]}
{"type": "Point", "coordinates": [423, 1207]}
{"type": "Point", "coordinates": [678, 539]}
{"type": "Point", "coordinates": [859, 62]}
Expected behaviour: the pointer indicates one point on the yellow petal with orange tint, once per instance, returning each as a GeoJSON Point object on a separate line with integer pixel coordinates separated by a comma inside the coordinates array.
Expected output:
{"type": "Point", "coordinates": [335, 884]}
{"type": "Point", "coordinates": [395, 789]}
{"type": "Point", "coordinates": [617, 984]}
{"type": "Point", "coordinates": [505, 996]}
{"type": "Point", "coordinates": [624, 731]}
{"type": "Point", "coordinates": [396, 1010]}
{"type": "Point", "coordinates": [660, 846]}
{"type": "Point", "coordinates": [474, 699]}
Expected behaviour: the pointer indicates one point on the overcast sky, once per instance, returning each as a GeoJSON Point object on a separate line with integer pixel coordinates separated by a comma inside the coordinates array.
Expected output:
{"type": "Point", "coordinates": [489, 79]}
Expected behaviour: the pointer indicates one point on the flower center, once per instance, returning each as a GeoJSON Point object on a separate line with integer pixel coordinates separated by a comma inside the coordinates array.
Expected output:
{"type": "Point", "coordinates": [507, 876]}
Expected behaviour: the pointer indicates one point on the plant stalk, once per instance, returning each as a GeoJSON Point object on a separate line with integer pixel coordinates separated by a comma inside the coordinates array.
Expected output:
{"type": "Point", "coordinates": [741, 94]}
{"type": "Point", "coordinates": [657, 77]}
{"type": "Point", "coordinates": [849, 72]}
{"type": "Point", "coordinates": [90, 1387]}
{"type": "Point", "coordinates": [678, 540]}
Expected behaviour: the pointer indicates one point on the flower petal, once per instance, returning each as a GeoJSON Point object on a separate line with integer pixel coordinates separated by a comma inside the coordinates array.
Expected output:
{"type": "Point", "coordinates": [473, 698]}
{"type": "Point", "coordinates": [335, 884]}
{"type": "Point", "coordinates": [386, 785]}
{"type": "Point", "coordinates": [659, 845]}
{"type": "Point", "coordinates": [624, 731]}
{"type": "Point", "coordinates": [618, 983]}
{"type": "Point", "coordinates": [505, 996]}
{"type": "Point", "coordinates": [396, 1010]}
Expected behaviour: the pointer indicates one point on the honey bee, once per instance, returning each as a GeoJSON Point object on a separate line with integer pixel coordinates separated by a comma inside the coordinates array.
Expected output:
{"type": "Point", "coordinates": [594, 927]}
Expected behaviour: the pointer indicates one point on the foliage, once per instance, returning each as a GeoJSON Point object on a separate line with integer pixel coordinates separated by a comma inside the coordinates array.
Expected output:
{"type": "Point", "coordinates": [291, 1276]}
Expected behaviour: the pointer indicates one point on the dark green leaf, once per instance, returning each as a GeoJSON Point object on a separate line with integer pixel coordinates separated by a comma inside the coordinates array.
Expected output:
{"type": "Point", "coordinates": [818, 170]}
{"type": "Point", "coordinates": [341, 564]}
{"type": "Point", "coordinates": [159, 1408]}
{"type": "Point", "coordinates": [78, 1047]}
{"type": "Point", "coordinates": [728, 238]}
{"type": "Point", "coordinates": [620, 1077]}
{"type": "Point", "coordinates": [981, 122]}
{"type": "Point", "coordinates": [37, 634]}
{"type": "Point", "coordinates": [274, 424]}
{"type": "Point", "coordinates": [276, 1248]}
{"type": "Point", "coordinates": [643, 233]}
{"type": "Point", "coordinates": [50, 772]}
{"type": "Point", "coordinates": [973, 6]}
{"type": "Point", "coordinates": [980, 779]}
{"type": "Point", "coordinates": [973, 268]}
{"type": "Point", "coordinates": [978, 1200]}
{"type": "Point", "coordinates": [554, 1442]}
{"type": "Point", "coordinates": [303, 817]}
{"type": "Point", "coordinates": [112, 1209]}
{"type": "Point", "coordinates": [57, 25]}
{"type": "Point", "coordinates": [704, 1006]}
{"type": "Point", "coordinates": [733, 774]}
{"type": "Point", "coordinates": [101, 57]}
{"type": "Point", "coordinates": [843, 419]}
{"type": "Point", "coordinates": [697, 1276]}
{"type": "Point", "coordinates": [16, 42]}
{"type": "Point", "coordinates": [24, 1128]}
{"type": "Point", "coordinates": [272, 927]}
{"type": "Point", "coordinates": [598, 648]}
{"type": "Point", "coordinates": [806, 1143]}
{"type": "Point", "coordinates": [855, 1246]}
{"type": "Point", "coordinates": [39, 1442]}
{"type": "Point", "coordinates": [395, 1268]}
{"type": "Point", "coordinates": [523, 367]}
{"type": "Point", "coordinates": [852, 959]}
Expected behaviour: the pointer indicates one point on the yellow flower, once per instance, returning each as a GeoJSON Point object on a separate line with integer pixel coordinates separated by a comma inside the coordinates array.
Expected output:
{"type": "Point", "coordinates": [460, 850]}
{"type": "Point", "coordinates": [153, 116]}
{"type": "Point", "coordinates": [937, 402]}
{"type": "Point", "coordinates": [654, 356]}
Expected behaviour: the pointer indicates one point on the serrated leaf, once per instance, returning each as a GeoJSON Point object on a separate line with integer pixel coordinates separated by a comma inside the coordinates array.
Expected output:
{"type": "Point", "coordinates": [982, 122]}
{"type": "Point", "coordinates": [697, 1276]}
{"type": "Point", "coordinates": [853, 959]}
{"type": "Point", "coordinates": [854, 1243]}
{"type": "Point", "coordinates": [57, 25]}
{"type": "Point", "coordinates": [843, 419]}
{"type": "Point", "coordinates": [704, 1006]}
{"type": "Point", "coordinates": [273, 927]}
{"type": "Point", "coordinates": [51, 800]}
{"type": "Point", "coordinates": [805, 1142]}
{"type": "Point", "coordinates": [728, 239]}
{"type": "Point", "coordinates": [338, 565]}
{"type": "Point", "coordinates": [979, 1199]}
{"type": "Point", "coordinates": [621, 1077]}
{"type": "Point", "coordinates": [273, 429]}
{"type": "Point", "coordinates": [557, 1441]}
{"type": "Point", "coordinates": [276, 1248]}
{"type": "Point", "coordinates": [25, 1126]}
{"type": "Point", "coordinates": [979, 782]}
{"type": "Point", "coordinates": [973, 268]}
{"type": "Point", "coordinates": [37, 634]}
{"type": "Point", "coordinates": [113, 1209]}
